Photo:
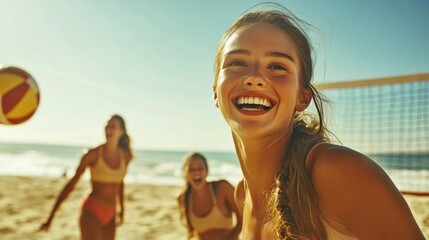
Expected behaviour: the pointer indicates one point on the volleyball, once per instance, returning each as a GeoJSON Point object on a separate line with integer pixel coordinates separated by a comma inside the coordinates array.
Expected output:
{"type": "Point", "coordinates": [19, 95]}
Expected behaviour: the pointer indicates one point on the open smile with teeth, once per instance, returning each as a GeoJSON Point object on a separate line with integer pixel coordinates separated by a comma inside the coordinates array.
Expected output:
{"type": "Point", "coordinates": [253, 103]}
{"type": "Point", "coordinates": [197, 180]}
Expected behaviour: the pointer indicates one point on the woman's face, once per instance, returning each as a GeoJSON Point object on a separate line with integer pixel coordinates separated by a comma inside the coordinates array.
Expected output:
{"type": "Point", "coordinates": [258, 86]}
{"type": "Point", "coordinates": [113, 129]}
{"type": "Point", "coordinates": [196, 173]}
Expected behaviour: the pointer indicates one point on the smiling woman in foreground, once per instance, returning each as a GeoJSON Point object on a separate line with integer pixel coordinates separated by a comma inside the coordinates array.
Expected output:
{"type": "Point", "coordinates": [296, 184]}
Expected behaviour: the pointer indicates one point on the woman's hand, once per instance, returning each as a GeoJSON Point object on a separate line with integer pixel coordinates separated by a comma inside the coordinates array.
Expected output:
{"type": "Point", "coordinates": [45, 226]}
{"type": "Point", "coordinates": [120, 218]}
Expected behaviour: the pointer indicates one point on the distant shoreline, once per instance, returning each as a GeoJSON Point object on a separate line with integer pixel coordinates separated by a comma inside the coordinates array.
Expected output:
{"type": "Point", "coordinates": [44, 144]}
{"type": "Point", "coordinates": [148, 166]}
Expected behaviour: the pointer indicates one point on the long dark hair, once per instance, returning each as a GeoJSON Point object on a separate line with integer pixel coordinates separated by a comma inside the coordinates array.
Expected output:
{"type": "Point", "coordinates": [124, 141]}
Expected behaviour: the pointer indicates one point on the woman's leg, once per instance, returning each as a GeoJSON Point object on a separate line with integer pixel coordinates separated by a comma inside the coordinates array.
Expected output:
{"type": "Point", "coordinates": [90, 228]}
{"type": "Point", "coordinates": [109, 230]}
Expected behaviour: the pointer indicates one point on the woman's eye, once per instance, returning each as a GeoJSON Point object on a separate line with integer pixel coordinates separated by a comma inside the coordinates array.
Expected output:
{"type": "Point", "coordinates": [236, 63]}
{"type": "Point", "coordinates": [277, 67]}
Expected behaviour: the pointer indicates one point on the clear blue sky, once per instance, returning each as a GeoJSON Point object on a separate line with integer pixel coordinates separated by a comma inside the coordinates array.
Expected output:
{"type": "Point", "coordinates": [152, 61]}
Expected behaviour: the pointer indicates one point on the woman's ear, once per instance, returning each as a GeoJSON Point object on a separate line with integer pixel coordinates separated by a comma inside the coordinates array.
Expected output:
{"type": "Point", "coordinates": [304, 99]}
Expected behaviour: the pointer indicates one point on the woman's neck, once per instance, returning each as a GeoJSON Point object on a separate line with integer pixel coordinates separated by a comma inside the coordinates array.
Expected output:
{"type": "Point", "coordinates": [260, 159]}
{"type": "Point", "coordinates": [111, 146]}
{"type": "Point", "coordinates": [204, 191]}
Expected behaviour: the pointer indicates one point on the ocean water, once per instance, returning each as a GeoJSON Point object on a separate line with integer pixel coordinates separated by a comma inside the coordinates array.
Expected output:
{"type": "Point", "coordinates": [409, 171]}
{"type": "Point", "coordinates": [155, 167]}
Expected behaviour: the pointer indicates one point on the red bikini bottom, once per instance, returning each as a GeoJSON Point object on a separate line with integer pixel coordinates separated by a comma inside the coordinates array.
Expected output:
{"type": "Point", "coordinates": [102, 212]}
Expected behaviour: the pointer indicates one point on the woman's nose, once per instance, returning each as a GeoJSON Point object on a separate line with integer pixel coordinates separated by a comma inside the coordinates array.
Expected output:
{"type": "Point", "coordinates": [255, 80]}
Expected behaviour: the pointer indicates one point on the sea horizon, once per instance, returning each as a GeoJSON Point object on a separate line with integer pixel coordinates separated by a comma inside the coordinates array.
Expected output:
{"type": "Point", "coordinates": [153, 166]}
{"type": "Point", "coordinates": [409, 171]}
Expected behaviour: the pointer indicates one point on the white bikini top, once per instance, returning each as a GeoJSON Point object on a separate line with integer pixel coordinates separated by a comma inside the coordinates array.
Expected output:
{"type": "Point", "coordinates": [214, 220]}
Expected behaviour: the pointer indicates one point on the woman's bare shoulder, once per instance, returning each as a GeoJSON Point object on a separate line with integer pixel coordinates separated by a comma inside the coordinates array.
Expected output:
{"type": "Point", "coordinates": [91, 150]}
{"type": "Point", "coordinates": [335, 165]}
{"type": "Point", "coordinates": [224, 184]}
{"type": "Point", "coordinates": [223, 187]}
{"type": "Point", "coordinates": [90, 154]}
{"type": "Point", "coordinates": [338, 162]}
{"type": "Point", "coordinates": [354, 191]}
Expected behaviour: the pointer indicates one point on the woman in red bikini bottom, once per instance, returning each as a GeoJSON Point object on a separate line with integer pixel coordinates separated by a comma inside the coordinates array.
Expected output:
{"type": "Point", "coordinates": [108, 164]}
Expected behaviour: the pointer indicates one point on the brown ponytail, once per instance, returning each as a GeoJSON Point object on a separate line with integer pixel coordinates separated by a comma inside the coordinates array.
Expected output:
{"type": "Point", "coordinates": [183, 201]}
{"type": "Point", "coordinates": [293, 205]}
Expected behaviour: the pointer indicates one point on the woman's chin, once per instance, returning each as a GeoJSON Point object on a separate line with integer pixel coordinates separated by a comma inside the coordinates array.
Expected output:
{"type": "Point", "coordinates": [250, 129]}
{"type": "Point", "coordinates": [198, 185]}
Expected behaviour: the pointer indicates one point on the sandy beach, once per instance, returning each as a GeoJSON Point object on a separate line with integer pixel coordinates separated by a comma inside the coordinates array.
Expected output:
{"type": "Point", "coordinates": [151, 211]}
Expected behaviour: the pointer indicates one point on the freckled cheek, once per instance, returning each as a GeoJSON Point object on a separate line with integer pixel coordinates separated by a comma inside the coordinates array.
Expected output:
{"type": "Point", "coordinates": [286, 88]}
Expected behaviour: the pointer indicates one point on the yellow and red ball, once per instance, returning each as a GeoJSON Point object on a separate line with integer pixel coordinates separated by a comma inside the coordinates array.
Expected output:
{"type": "Point", "coordinates": [19, 95]}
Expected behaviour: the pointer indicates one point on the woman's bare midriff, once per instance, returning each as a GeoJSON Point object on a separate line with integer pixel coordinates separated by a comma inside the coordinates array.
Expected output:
{"type": "Point", "coordinates": [104, 192]}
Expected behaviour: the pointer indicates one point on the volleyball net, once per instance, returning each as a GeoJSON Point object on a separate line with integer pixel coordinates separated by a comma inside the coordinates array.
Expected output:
{"type": "Point", "coordinates": [387, 119]}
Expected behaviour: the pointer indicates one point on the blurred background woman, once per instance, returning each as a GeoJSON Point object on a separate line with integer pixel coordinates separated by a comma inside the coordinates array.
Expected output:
{"type": "Point", "coordinates": [207, 208]}
{"type": "Point", "coordinates": [108, 165]}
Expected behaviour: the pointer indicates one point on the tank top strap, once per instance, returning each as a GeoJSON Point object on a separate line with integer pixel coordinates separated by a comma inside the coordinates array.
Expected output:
{"type": "Point", "coordinates": [212, 192]}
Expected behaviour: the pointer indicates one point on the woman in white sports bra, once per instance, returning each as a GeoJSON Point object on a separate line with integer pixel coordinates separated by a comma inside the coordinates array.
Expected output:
{"type": "Point", "coordinates": [296, 185]}
{"type": "Point", "coordinates": [207, 208]}
{"type": "Point", "coordinates": [108, 165]}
